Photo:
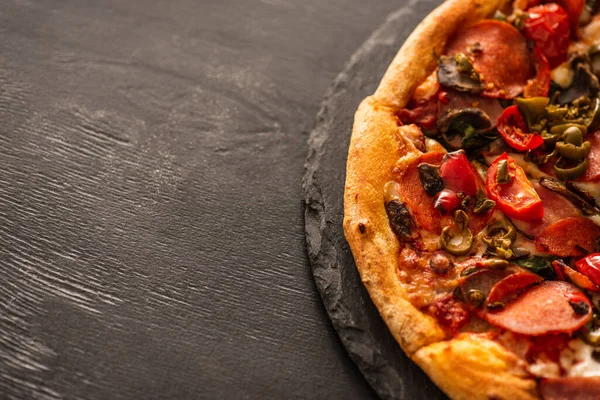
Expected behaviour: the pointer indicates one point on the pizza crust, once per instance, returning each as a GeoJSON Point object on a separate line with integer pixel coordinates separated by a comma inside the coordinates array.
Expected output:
{"type": "Point", "coordinates": [466, 367]}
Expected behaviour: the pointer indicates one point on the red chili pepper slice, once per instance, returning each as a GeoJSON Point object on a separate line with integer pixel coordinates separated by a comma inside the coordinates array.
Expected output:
{"type": "Point", "coordinates": [513, 130]}
{"type": "Point", "coordinates": [457, 173]}
{"type": "Point", "coordinates": [549, 28]}
{"type": "Point", "coordinates": [590, 267]}
{"type": "Point", "coordinates": [516, 198]}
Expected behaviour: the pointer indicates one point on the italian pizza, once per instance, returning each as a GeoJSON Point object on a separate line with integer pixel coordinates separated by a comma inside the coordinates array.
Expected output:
{"type": "Point", "coordinates": [470, 202]}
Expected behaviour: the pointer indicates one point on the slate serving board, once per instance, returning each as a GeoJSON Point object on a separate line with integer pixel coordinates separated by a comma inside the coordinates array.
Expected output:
{"type": "Point", "coordinates": [363, 333]}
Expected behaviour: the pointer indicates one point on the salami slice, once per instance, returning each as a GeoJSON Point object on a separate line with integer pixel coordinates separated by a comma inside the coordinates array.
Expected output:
{"type": "Point", "coordinates": [556, 208]}
{"type": "Point", "coordinates": [417, 200]}
{"type": "Point", "coordinates": [421, 205]}
{"type": "Point", "coordinates": [551, 307]}
{"type": "Point", "coordinates": [501, 56]}
{"type": "Point", "coordinates": [510, 287]}
{"type": "Point", "coordinates": [574, 388]}
{"type": "Point", "coordinates": [567, 237]}
{"type": "Point", "coordinates": [593, 171]}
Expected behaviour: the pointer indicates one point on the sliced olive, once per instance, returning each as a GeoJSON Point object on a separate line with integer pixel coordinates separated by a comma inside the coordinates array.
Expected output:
{"type": "Point", "coordinates": [532, 109]}
{"type": "Point", "coordinates": [475, 297]}
{"type": "Point", "coordinates": [573, 152]}
{"type": "Point", "coordinates": [457, 240]}
{"type": "Point", "coordinates": [570, 172]}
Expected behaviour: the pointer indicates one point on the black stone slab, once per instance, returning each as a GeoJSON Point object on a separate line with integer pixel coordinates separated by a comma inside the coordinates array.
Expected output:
{"type": "Point", "coordinates": [365, 336]}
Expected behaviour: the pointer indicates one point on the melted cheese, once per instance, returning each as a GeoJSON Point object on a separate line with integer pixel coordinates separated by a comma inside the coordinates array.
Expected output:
{"type": "Point", "coordinates": [577, 359]}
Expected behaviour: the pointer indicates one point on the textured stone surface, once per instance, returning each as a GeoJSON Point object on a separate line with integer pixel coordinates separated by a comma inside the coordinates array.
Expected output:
{"type": "Point", "coordinates": [151, 215]}
{"type": "Point", "coordinates": [365, 336]}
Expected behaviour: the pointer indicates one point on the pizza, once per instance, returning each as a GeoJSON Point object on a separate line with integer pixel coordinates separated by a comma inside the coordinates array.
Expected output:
{"type": "Point", "coordinates": [471, 192]}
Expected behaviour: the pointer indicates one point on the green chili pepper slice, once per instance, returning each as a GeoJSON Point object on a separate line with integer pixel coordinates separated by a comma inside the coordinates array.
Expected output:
{"type": "Point", "coordinates": [562, 128]}
{"type": "Point", "coordinates": [570, 173]}
{"type": "Point", "coordinates": [573, 152]}
{"type": "Point", "coordinates": [457, 240]}
{"type": "Point", "coordinates": [533, 109]}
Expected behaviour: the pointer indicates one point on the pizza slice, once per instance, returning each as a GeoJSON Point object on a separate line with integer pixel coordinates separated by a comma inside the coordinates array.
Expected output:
{"type": "Point", "coordinates": [470, 198]}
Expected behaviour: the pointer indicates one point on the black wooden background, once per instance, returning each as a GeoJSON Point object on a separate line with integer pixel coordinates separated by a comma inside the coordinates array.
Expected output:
{"type": "Point", "coordinates": [151, 209]}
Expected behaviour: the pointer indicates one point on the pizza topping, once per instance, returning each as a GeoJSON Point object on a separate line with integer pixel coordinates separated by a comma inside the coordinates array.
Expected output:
{"type": "Point", "coordinates": [457, 239]}
{"type": "Point", "coordinates": [513, 285]}
{"type": "Point", "coordinates": [590, 267]}
{"type": "Point", "coordinates": [543, 309]}
{"type": "Point", "coordinates": [400, 220]}
{"type": "Point", "coordinates": [541, 266]}
{"type": "Point", "coordinates": [413, 193]}
{"type": "Point", "coordinates": [503, 61]}
{"type": "Point", "coordinates": [429, 175]}
{"type": "Point", "coordinates": [581, 237]}
{"type": "Point", "coordinates": [579, 198]}
{"type": "Point", "coordinates": [450, 312]}
{"type": "Point", "coordinates": [564, 271]}
{"type": "Point", "coordinates": [514, 131]}
{"type": "Point", "coordinates": [540, 83]}
{"type": "Point", "coordinates": [499, 239]}
{"type": "Point", "coordinates": [457, 72]}
{"type": "Point", "coordinates": [457, 173]}
{"type": "Point", "coordinates": [480, 280]}
{"type": "Point", "coordinates": [420, 112]}
{"type": "Point", "coordinates": [440, 263]}
{"type": "Point", "coordinates": [458, 121]}
{"type": "Point", "coordinates": [447, 201]}
{"type": "Point", "coordinates": [533, 111]}
{"type": "Point", "coordinates": [585, 83]}
{"type": "Point", "coordinates": [593, 171]}
{"type": "Point", "coordinates": [571, 388]}
{"type": "Point", "coordinates": [548, 27]}
{"type": "Point", "coordinates": [507, 184]}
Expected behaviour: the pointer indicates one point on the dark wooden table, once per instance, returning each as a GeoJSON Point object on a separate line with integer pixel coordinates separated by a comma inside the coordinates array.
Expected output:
{"type": "Point", "coordinates": [151, 215]}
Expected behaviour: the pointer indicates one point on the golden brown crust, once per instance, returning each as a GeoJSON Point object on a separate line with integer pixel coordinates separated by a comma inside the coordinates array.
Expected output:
{"type": "Point", "coordinates": [471, 368]}
{"type": "Point", "coordinates": [377, 147]}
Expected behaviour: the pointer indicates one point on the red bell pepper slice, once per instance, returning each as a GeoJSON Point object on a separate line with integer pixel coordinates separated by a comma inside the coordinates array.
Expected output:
{"type": "Point", "coordinates": [513, 130]}
{"type": "Point", "coordinates": [516, 198]}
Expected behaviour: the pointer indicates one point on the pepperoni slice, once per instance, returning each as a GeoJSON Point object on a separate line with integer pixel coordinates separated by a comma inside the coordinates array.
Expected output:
{"type": "Point", "coordinates": [550, 307]}
{"type": "Point", "coordinates": [503, 59]}
{"type": "Point", "coordinates": [593, 172]}
{"type": "Point", "coordinates": [573, 388]}
{"type": "Point", "coordinates": [417, 200]}
{"type": "Point", "coordinates": [510, 287]}
{"type": "Point", "coordinates": [421, 204]}
{"type": "Point", "coordinates": [458, 100]}
{"type": "Point", "coordinates": [565, 238]}
{"type": "Point", "coordinates": [483, 281]}
{"type": "Point", "coordinates": [556, 208]}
